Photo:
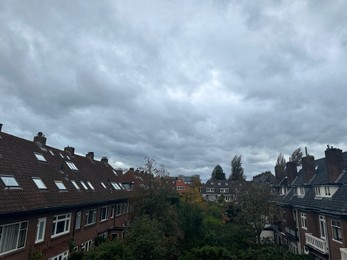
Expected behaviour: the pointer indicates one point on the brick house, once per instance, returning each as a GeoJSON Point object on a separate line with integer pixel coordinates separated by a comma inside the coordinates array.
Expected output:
{"type": "Point", "coordinates": [313, 202]}
{"type": "Point", "coordinates": [213, 190]}
{"type": "Point", "coordinates": [55, 201]}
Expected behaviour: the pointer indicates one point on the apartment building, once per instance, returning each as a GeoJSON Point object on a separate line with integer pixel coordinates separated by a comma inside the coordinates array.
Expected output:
{"type": "Point", "coordinates": [313, 206]}
{"type": "Point", "coordinates": [55, 201]}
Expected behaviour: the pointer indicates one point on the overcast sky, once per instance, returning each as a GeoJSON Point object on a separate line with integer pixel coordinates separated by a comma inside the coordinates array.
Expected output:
{"type": "Point", "coordinates": [188, 83]}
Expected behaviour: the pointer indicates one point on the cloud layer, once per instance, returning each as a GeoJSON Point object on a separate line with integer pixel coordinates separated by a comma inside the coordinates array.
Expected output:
{"type": "Point", "coordinates": [189, 83]}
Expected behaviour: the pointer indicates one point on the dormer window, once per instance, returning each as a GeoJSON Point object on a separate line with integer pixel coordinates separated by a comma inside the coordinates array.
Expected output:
{"type": "Point", "coordinates": [325, 191]}
{"type": "Point", "coordinates": [39, 183]}
{"type": "Point", "coordinates": [72, 166]}
{"type": "Point", "coordinates": [60, 185]}
{"type": "Point", "coordinates": [40, 157]}
{"type": "Point", "coordinates": [284, 190]}
{"type": "Point", "coordinates": [300, 191]}
{"type": "Point", "coordinates": [9, 181]}
{"type": "Point", "coordinates": [209, 189]}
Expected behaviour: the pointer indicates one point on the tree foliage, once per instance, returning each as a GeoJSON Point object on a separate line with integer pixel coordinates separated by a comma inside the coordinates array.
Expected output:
{"type": "Point", "coordinates": [297, 156]}
{"type": "Point", "coordinates": [280, 163]}
{"type": "Point", "coordinates": [237, 173]}
{"type": "Point", "coordinates": [218, 173]}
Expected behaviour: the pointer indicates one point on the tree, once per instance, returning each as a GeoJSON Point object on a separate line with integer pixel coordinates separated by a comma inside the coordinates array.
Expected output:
{"type": "Point", "coordinates": [256, 205]}
{"type": "Point", "coordinates": [218, 173]}
{"type": "Point", "coordinates": [297, 156]}
{"type": "Point", "coordinates": [280, 164]}
{"type": "Point", "coordinates": [237, 169]}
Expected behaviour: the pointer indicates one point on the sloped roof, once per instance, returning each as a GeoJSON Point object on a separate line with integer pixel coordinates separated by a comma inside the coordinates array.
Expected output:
{"type": "Point", "coordinates": [17, 159]}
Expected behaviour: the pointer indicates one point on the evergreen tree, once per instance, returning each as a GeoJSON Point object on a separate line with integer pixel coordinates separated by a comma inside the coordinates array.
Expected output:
{"type": "Point", "coordinates": [218, 173]}
{"type": "Point", "coordinates": [237, 173]}
{"type": "Point", "coordinates": [297, 156]}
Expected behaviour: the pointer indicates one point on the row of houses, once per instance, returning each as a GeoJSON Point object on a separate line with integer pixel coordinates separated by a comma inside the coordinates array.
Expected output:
{"type": "Point", "coordinates": [313, 202]}
{"type": "Point", "coordinates": [56, 201]}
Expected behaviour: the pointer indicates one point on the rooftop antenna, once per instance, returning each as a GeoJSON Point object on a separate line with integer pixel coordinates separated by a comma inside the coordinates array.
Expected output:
{"type": "Point", "coordinates": [306, 153]}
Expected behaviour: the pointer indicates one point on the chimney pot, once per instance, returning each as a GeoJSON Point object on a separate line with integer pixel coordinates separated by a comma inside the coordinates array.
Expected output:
{"type": "Point", "coordinates": [0, 127]}
{"type": "Point", "coordinates": [104, 159]}
{"type": "Point", "coordinates": [70, 150]}
{"type": "Point", "coordinates": [40, 139]}
{"type": "Point", "coordinates": [90, 155]}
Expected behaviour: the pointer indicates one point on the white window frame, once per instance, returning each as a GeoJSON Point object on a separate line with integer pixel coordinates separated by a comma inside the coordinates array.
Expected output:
{"type": "Point", "coordinates": [93, 211]}
{"type": "Point", "coordinates": [57, 219]}
{"type": "Point", "coordinates": [39, 183]}
{"type": "Point", "coordinates": [87, 245]}
{"type": "Point", "coordinates": [322, 227]}
{"type": "Point", "coordinates": [78, 220]}
{"type": "Point", "coordinates": [41, 229]}
{"type": "Point", "coordinates": [303, 220]}
{"type": "Point", "coordinates": [19, 238]}
{"type": "Point", "coordinates": [112, 211]}
{"type": "Point", "coordinates": [103, 213]}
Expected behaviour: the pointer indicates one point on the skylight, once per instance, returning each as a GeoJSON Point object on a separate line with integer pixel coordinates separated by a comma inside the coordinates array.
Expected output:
{"type": "Point", "coordinates": [62, 156]}
{"type": "Point", "coordinates": [60, 185]}
{"type": "Point", "coordinates": [40, 157]}
{"type": "Point", "coordinates": [84, 185]}
{"type": "Point", "coordinates": [51, 152]}
{"type": "Point", "coordinates": [9, 181]}
{"type": "Point", "coordinates": [71, 165]}
{"type": "Point", "coordinates": [115, 185]}
{"type": "Point", "coordinates": [75, 184]}
{"type": "Point", "coordinates": [39, 183]}
{"type": "Point", "coordinates": [90, 185]}
{"type": "Point", "coordinates": [103, 185]}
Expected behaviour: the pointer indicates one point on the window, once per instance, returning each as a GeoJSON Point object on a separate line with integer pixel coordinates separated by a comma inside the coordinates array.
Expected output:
{"type": "Point", "coordinates": [51, 152]}
{"type": "Point", "coordinates": [62, 256]}
{"type": "Point", "coordinates": [209, 189]}
{"type": "Point", "coordinates": [9, 181]}
{"type": "Point", "coordinates": [224, 190]}
{"type": "Point", "coordinates": [39, 183]}
{"type": "Point", "coordinates": [91, 217]}
{"type": "Point", "coordinates": [115, 186]}
{"type": "Point", "coordinates": [84, 185]}
{"type": "Point", "coordinates": [40, 231]}
{"type": "Point", "coordinates": [103, 213]}
{"type": "Point", "coordinates": [301, 191]}
{"type": "Point", "coordinates": [60, 185]}
{"type": "Point", "coordinates": [78, 220]}
{"type": "Point", "coordinates": [343, 252]}
{"type": "Point", "coordinates": [317, 191]}
{"type": "Point", "coordinates": [13, 236]}
{"type": "Point", "coordinates": [86, 245]}
{"type": "Point", "coordinates": [75, 184]}
{"type": "Point", "coordinates": [323, 227]}
{"type": "Point", "coordinates": [61, 155]}
{"type": "Point", "coordinates": [72, 166]}
{"type": "Point", "coordinates": [327, 191]}
{"type": "Point", "coordinates": [118, 209]}
{"type": "Point", "coordinates": [336, 230]}
{"type": "Point", "coordinates": [90, 185]}
{"type": "Point", "coordinates": [303, 221]}
{"type": "Point", "coordinates": [40, 157]}
{"type": "Point", "coordinates": [61, 224]}
{"type": "Point", "coordinates": [103, 185]}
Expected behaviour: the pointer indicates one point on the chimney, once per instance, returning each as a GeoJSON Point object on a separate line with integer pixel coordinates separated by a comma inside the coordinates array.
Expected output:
{"type": "Point", "coordinates": [70, 150]}
{"type": "Point", "coordinates": [308, 167]}
{"type": "Point", "coordinates": [0, 127]}
{"type": "Point", "coordinates": [291, 170]}
{"type": "Point", "coordinates": [90, 155]}
{"type": "Point", "coordinates": [104, 159]}
{"type": "Point", "coordinates": [334, 163]}
{"type": "Point", "coordinates": [40, 139]}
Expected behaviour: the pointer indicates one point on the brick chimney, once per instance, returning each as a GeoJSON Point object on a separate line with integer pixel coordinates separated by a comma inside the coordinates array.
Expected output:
{"type": "Point", "coordinates": [104, 159]}
{"type": "Point", "coordinates": [308, 167]}
{"type": "Point", "coordinates": [70, 150]}
{"type": "Point", "coordinates": [292, 171]}
{"type": "Point", "coordinates": [279, 174]}
{"type": "Point", "coordinates": [334, 163]}
{"type": "Point", "coordinates": [90, 155]}
{"type": "Point", "coordinates": [40, 139]}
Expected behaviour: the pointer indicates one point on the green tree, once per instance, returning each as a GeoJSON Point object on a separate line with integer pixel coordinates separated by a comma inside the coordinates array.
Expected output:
{"type": "Point", "coordinates": [237, 173]}
{"type": "Point", "coordinates": [297, 156]}
{"type": "Point", "coordinates": [218, 173]}
{"type": "Point", "coordinates": [280, 164]}
{"type": "Point", "coordinates": [256, 206]}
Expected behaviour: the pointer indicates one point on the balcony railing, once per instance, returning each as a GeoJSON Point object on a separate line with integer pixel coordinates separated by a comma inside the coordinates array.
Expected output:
{"type": "Point", "coordinates": [317, 243]}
